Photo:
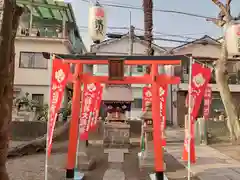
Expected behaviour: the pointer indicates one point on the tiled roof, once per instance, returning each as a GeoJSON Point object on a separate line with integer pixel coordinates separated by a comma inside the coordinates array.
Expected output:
{"type": "Point", "coordinates": [117, 93]}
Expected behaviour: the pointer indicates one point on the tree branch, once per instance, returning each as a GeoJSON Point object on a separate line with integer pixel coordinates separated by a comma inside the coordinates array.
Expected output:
{"type": "Point", "coordinates": [221, 6]}
{"type": "Point", "coordinates": [218, 22]}
{"type": "Point", "coordinates": [228, 3]}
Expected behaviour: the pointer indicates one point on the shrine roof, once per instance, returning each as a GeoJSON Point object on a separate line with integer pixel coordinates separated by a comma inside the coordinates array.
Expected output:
{"type": "Point", "coordinates": [117, 93]}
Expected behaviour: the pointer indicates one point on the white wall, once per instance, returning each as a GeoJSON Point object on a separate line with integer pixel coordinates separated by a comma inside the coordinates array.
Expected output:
{"type": "Point", "coordinates": [24, 76]}
{"type": "Point", "coordinates": [36, 81]}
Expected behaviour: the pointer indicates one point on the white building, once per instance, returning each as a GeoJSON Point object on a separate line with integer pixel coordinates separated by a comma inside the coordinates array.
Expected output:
{"type": "Point", "coordinates": [205, 49]}
{"type": "Point", "coordinates": [120, 47]}
{"type": "Point", "coordinates": [45, 26]}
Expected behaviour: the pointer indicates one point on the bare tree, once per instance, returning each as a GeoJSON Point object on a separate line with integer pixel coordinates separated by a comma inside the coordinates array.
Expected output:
{"type": "Point", "coordinates": [224, 19]}
{"type": "Point", "coordinates": [11, 14]}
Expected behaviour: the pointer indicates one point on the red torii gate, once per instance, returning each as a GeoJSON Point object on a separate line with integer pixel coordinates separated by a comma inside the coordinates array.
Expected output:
{"type": "Point", "coordinates": [153, 78]}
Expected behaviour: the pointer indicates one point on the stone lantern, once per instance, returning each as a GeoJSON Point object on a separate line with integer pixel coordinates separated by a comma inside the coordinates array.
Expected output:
{"type": "Point", "coordinates": [146, 159]}
{"type": "Point", "coordinates": [147, 122]}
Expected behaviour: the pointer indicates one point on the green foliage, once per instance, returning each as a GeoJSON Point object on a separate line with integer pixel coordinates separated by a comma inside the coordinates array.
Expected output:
{"type": "Point", "coordinates": [31, 105]}
{"type": "Point", "coordinates": [42, 110]}
{"type": "Point", "coordinates": [25, 102]}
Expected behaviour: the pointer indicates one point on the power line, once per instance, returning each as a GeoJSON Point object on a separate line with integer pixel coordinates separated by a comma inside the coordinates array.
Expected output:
{"type": "Point", "coordinates": [139, 29]}
{"type": "Point", "coordinates": [119, 35]}
{"type": "Point", "coordinates": [154, 9]}
{"type": "Point", "coordinates": [171, 35]}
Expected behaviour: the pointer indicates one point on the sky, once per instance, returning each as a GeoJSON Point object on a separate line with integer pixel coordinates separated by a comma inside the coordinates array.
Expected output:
{"type": "Point", "coordinates": [165, 23]}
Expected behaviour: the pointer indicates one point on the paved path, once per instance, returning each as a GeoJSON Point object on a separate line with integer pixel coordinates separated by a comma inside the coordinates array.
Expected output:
{"type": "Point", "coordinates": [211, 164]}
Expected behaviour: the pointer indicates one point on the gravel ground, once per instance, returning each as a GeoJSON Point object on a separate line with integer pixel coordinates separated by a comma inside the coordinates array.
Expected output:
{"type": "Point", "coordinates": [32, 167]}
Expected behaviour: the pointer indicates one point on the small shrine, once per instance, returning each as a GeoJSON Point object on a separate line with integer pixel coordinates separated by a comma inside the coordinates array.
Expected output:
{"type": "Point", "coordinates": [117, 100]}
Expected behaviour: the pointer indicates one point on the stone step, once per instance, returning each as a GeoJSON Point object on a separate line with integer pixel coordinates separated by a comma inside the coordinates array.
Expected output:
{"type": "Point", "coordinates": [114, 174]}
{"type": "Point", "coordinates": [116, 155]}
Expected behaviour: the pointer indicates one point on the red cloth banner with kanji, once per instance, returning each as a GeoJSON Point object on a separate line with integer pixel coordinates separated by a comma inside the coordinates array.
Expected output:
{"type": "Point", "coordinates": [163, 102]}
{"type": "Point", "coordinates": [207, 102]}
{"type": "Point", "coordinates": [96, 108]}
{"type": "Point", "coordinates": [200, 78]}
{"type": "Point", "coordinates": [59, 78]}
{"type": "Point", "coordinates": [89, 96]}
{"type": "Point", "coordinates": [147, 97]}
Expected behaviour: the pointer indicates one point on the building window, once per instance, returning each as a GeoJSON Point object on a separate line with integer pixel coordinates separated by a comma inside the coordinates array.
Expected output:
{"type": "Point", "coordinates": [32, 60]}
{"type": "Point", "coordinates": [39, 98]}
{"type": "Point", "coordinates": [137, 103]}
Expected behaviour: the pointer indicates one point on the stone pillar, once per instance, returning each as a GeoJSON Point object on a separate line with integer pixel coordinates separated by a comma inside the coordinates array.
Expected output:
{"type": "Point", "coordinates": [201, 132]}
{"type": "Point", "coordinates": [115, 161]}
{"type": "Point", "coordinates": [116, 140]}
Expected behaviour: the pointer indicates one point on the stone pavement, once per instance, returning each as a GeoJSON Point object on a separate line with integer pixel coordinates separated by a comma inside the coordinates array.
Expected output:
{"type": "Point", "coordinates": [211, 164]}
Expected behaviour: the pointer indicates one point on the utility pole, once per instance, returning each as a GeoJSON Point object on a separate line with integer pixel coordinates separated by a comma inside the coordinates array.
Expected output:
{"type": "Point", "coordinates": [131, 35]}
{"type": "Point", "coordinates": [131, 41]}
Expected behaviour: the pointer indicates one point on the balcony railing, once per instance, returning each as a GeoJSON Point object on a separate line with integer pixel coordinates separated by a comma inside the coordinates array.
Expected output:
{"type": "Point", "coordinates": [41, 32]}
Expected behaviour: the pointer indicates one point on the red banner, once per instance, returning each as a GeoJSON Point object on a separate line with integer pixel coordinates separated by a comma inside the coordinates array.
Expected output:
{"type": "Point", "coordinates": [147, 97]}
{"type": "Point", "coordinates": [200, 78]}
{"type": "Point", "coordinates": [89, 96]}
{"type": "Point", "coordinates": [59, 78]}
{"type": "Point", "coordinates": [97, 107]}
{"type": "Point", "coordinates": [163, 103]}
{"type": "Point", "coordinates": [207, 102]}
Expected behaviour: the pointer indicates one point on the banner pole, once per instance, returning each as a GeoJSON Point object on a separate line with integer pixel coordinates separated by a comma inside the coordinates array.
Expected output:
{"type": "Point", "coordinates": [191, 61]}
{"type": "Point", "coordinates": [47, 137]}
